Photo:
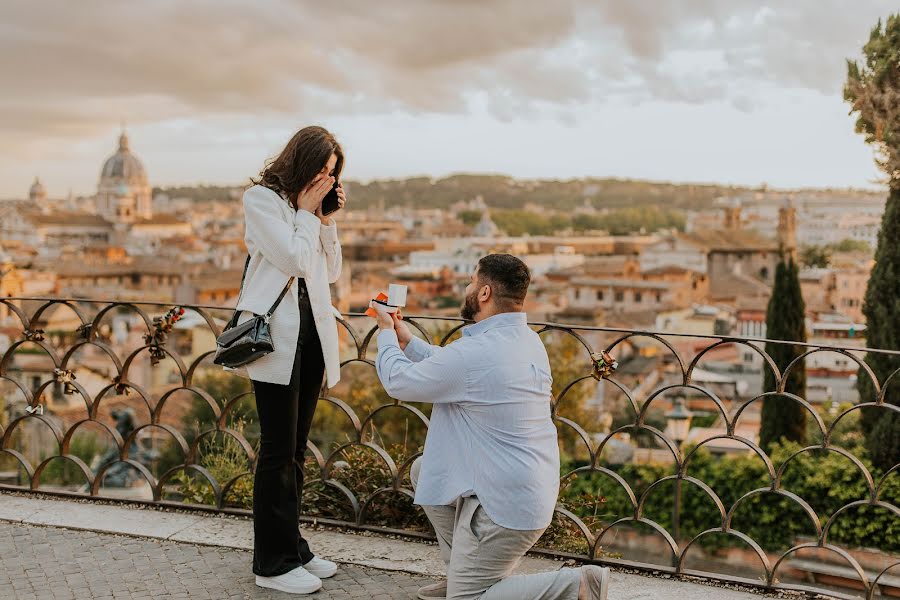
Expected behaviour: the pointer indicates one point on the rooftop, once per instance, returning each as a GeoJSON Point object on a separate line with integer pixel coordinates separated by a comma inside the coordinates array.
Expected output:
{"type": "Point", "coordinates": [160, 219]}
{"type": "Point", "coordinates": [740, 287]}
{"type": "Point", "coordinates": [67, 218]}
{"type": "Point", "coordinates": [730, 240]}
{"type": "Point", "coordinates": [621, 283]}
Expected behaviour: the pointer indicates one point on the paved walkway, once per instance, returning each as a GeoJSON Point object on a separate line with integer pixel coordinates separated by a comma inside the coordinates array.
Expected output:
{"type": "Point", "coordinates": [54, 563]}
{"type": "Point", "coordinates": [59, 549]}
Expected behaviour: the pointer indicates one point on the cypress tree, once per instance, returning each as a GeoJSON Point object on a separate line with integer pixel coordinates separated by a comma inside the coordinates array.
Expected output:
{"type": "Point", "coordinates": [882, 311]}
{"type": "Point", "coordinates": [873, 89]}
{"type": "Point", "coordinates": [782, 417]}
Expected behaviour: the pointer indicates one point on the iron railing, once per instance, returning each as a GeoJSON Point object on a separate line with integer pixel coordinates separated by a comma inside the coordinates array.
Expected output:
{"type": "Point", "coordinates": [45, 375]}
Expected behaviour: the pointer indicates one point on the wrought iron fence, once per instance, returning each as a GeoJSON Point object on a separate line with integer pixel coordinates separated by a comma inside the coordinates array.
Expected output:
{"type": "Point", "coordinates": [120, 400]}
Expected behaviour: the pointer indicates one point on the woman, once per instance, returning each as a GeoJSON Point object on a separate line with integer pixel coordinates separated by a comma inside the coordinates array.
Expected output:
{"type": "Point", "coordinates": [287, 236]}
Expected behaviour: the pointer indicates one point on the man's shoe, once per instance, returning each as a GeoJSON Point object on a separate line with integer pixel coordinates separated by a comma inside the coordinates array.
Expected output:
{"type": "Point", "coordinates": [597, 581]}
{"type": "Point", "coordinates": [321, 568]}
{"type": "Point", "coordinates": [298, 581]}
{"type": "Point", "coordinates": [435, 591]}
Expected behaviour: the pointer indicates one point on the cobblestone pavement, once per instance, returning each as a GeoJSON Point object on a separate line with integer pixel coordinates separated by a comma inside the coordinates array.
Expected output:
{"type": "Point", "coordinates": [44, 562]}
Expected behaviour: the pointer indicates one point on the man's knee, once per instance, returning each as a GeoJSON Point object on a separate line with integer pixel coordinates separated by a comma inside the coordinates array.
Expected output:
{"type": "Point", "coordinates": [414, 472]}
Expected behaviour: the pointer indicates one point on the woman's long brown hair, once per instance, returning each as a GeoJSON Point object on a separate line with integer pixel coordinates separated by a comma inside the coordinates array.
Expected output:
{"type": "Point", "coordinates": [300, 162]}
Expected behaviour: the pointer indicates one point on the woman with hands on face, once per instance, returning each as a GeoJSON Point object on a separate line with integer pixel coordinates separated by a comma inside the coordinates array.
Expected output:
{"type": "Point", "coordinates": [291, 243]}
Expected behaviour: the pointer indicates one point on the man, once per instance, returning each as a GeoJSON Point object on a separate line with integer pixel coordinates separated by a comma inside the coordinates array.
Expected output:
{"type": "Point", "coordinates": [489, 477]}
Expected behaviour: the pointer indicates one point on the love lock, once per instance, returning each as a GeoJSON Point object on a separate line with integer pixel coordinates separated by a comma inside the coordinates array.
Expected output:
{"type": "Point", "coordinates": [604, 365]}
{"type": "Point", "coordinates": [34, 335]}
{"type": "Point", "coordinates": [66, 378]}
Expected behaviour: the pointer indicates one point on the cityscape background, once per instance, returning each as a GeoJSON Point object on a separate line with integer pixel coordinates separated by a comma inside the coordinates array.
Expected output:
{"type": "Point", "coordinates": [656, 165]}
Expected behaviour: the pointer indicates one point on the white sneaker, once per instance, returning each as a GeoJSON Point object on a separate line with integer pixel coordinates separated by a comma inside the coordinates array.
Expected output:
{"type": "Point", "coordinates": [298, 581]}
{"type": "Point", "coordinates": [321, 568]}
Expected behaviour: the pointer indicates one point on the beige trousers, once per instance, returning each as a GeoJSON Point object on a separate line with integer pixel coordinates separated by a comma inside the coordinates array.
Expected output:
{"type": "Point", "coordinates": [480, 555]}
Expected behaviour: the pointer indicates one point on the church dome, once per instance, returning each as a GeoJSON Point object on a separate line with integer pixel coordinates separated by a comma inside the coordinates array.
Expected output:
{"type": "Point", "coordinates": [37, 190]}
{"type": "Point", "coordinates": [123, 164]}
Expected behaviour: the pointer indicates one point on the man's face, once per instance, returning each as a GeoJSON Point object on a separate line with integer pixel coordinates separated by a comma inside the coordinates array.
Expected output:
{"type": "Point", "coordinates": [471, 306]}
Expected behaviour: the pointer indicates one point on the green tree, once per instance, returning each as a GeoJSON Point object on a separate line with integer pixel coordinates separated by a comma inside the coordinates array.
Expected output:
{"type": "Point", "coordinates": [782, 417]}
{"type": "Point", "coordinates": [873, 89]}
{"type": "Point", "coordinates": [850, 245]}
{"type": "Point", "coordinates": [470, 217]}
{"type": "Point", "coordinates": [815, 256]}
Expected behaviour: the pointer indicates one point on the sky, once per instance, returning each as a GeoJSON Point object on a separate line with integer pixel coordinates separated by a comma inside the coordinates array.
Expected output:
{"type": "Point", "coordinates": [730, 91]}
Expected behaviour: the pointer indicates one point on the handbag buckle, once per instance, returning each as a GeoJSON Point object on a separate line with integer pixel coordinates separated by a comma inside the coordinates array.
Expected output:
{"type": "Point", "coordinates": [266, 318]}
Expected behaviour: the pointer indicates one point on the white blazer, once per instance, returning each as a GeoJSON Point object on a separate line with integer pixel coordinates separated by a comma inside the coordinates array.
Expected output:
{"type": "Point", "coordinates": [283, 243]}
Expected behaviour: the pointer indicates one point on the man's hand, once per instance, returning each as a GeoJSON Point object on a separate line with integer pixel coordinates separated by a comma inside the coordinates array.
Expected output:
{"type": "Point", "coordinates": [384, 319]}
{"type": "Point", "coordinates": [404, 335]}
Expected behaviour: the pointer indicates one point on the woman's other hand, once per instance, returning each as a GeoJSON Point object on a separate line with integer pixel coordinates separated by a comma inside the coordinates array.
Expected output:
{"type": "Point", "coordinates": [342, 200]}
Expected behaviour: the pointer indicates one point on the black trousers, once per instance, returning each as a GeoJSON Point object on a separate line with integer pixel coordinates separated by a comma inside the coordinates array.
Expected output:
{"type": "Point", "coordinates": [285, 415]}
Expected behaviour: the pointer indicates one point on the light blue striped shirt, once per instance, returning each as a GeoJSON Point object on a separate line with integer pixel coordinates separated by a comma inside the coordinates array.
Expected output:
{"type": "Point", "coordinates": [491, 433]}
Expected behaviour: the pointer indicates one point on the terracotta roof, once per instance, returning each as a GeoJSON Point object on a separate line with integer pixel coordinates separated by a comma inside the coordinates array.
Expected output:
{"type": "Point", "coordinates": [669, 270]}
{"type": "Point", "coordinates": [161, 219]}
{"type": "Point", "coordinates": [139, 266]}
{"type": "Point", "coordinates": [73, 219]}
{"type": "Point", "coordinates": [734, 240]}
{"type": "Point", "coordinates": [635, 319]}
{"type": "Point", "coordinates": [622, 283]}
{"type": "Point", "coordinates": [229, 279]}
{"type": "Point", "coordinates": [736, 286]}
{"type": "Point", "coordinates": [597, 266]}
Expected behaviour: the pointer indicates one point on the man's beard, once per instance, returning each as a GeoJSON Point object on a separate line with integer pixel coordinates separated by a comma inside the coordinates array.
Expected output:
{"type": "Point", "coordinates": [469, 307]}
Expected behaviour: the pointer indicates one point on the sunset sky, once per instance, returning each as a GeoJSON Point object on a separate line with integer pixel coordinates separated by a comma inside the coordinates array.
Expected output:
{"type": "Point", "coordinates": [733, 91]}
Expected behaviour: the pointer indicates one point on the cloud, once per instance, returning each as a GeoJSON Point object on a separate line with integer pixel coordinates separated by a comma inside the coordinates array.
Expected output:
{"type": "Point", "coordinates": [78, 66]}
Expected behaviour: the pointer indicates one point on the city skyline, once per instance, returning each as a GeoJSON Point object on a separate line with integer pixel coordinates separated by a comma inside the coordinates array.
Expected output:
{"type": "Point", "coordinates": [691, 91]}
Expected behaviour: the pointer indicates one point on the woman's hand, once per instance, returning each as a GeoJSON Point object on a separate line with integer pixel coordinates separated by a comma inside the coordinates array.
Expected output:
{"type": "Point", "coordinates": [310, 199]}
{"type": "Point", "coordinates": [342, 200]}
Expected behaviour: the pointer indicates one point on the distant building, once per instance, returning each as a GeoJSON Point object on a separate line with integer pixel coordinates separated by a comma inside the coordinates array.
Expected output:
{"type": "Point", "coordinates": [37, 193]}
{"type": "Point", "coordinates": [134, 278]}
{"type": "Point", "coordinates": [699, 319]}
{"type": "Point", "coordinates": [624, 295]}
{"type": "Point", "coordinates": [123, 194]}
{"type": "Point", "coordinates": [486, 228]}
{"type": "Point", "coordinates": [49, 230]}
{"type": "Point", "coordinates": [839, 289]}
{"type": "Point", "coordinates": [727, 251]}
{"type": "Point", "coordinates": [122, 213]}
{"type": "Point", "coordinates": [462, 255]}
{"type": "Point", "coordinates": [212, 288]}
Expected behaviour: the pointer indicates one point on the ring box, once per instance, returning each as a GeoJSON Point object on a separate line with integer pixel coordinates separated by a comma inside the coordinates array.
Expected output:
{"type": "Point", "coordinates": [396, 295]}
{"type": "Point", "coordinates": [390, 302]}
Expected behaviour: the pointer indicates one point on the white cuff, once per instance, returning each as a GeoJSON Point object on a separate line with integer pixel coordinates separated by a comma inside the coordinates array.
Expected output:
{"type": "Point", "coordinates": [387, 337]}
{"type": "Point", "coordinates": [328, 235]}
{"type": "Point", "coordinates": [304, 218]}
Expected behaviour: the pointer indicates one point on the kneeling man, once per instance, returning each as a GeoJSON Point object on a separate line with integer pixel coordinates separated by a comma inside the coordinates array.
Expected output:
{"type": "Point", "coordinates": [489, 476]}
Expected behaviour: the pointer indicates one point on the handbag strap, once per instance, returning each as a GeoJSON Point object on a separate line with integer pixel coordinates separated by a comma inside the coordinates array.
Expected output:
{"type": "Point", "coordinates": [234, 317]}
{"type": "Point", "coordinates": [284, 290]}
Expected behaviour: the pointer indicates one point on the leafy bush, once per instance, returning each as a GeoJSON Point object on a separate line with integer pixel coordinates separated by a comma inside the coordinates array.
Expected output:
{"type": "Point", "coordinates": [827, 481]}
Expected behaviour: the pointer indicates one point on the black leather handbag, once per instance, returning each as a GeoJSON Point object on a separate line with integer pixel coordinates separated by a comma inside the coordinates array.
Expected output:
{"type": "Point", "coordinates": [241, 344]}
